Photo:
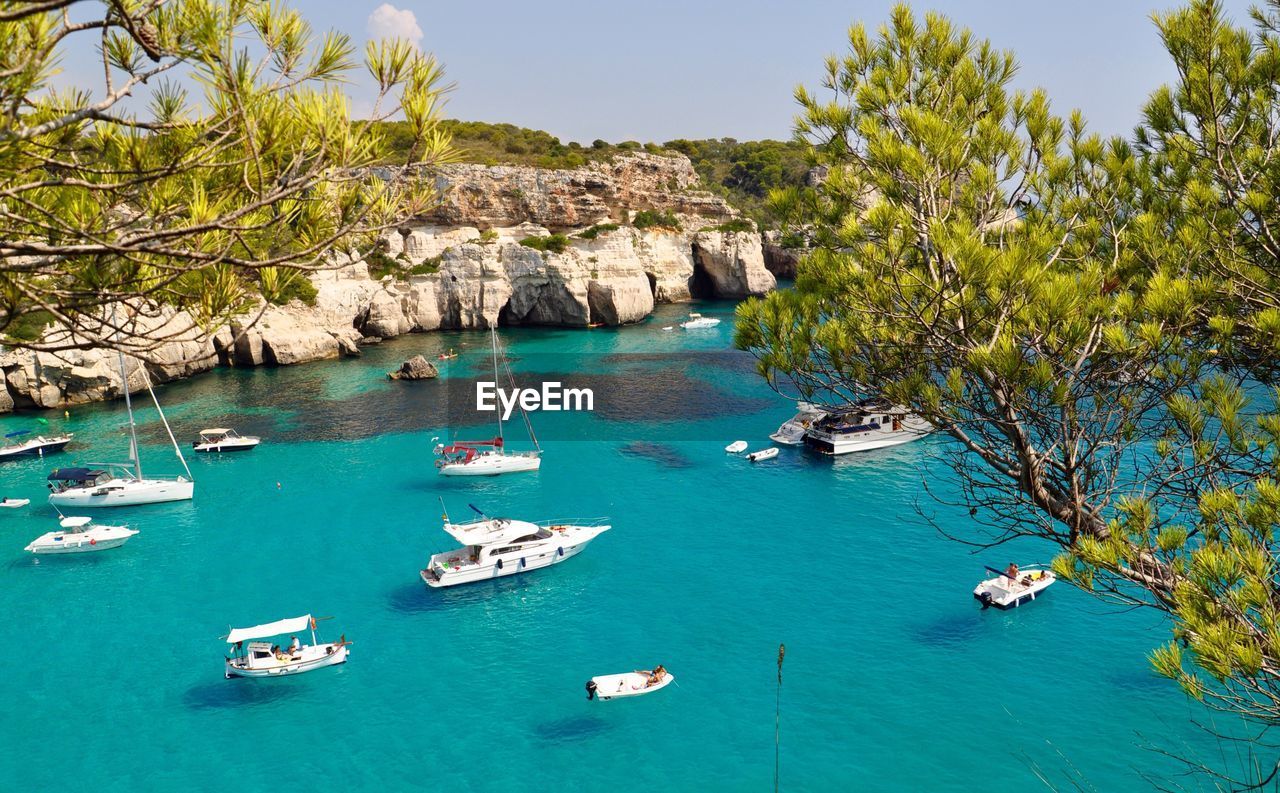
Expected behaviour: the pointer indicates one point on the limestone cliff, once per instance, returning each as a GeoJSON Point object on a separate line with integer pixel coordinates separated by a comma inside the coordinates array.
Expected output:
{"type": "Point", "coordinates": [462, 267]}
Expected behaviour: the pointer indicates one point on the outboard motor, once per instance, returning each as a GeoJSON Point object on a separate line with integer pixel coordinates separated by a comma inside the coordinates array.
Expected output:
{"type": "Point", "coordinates": [985, 599]}
{"type": "Point", "coordinates": [591, 690]}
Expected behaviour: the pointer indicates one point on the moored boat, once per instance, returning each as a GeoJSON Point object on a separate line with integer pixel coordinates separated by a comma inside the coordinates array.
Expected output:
{"type": "Point", "coordinates": [763, 454]}
{"type": "Point", "coordinates": [629, 684]}
{"type": "Point", "coordinates": [491, 457]}
{"type": "Point", "coordinates": [264, 659]}
{"type": "Point", "coordinates": [224, 440]}
{"type": "Point", "coordinates": [737, 447]}
{"type": "Point", "coordinates": [38, 446]}
{"type": "Point", "coordinates": [496, 547]}
{"type": "Point", "coordinates": [1012, 587]}
{"type": "Point", "coordinates": [793, 430]}
{"type": "Point", "coordinates": [863, 428]}
{"type": "Point", "coordinates": [80, 535]}
{"type": "Point", "coordinates": [697, 321]}
{"type": "Point", "coordinates": [14, 503]}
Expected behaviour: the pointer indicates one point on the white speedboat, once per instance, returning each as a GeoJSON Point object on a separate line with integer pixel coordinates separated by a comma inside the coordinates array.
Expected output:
{"type": "Point", "coordinates": [792, 431]}
{"type": "Point", "coordinates": [491, 457]}
{"type": "Point", "coordinates": [763, 454]}
{"type": "Point", "coordinates": [80, 535]}
{"type": "Point", "coordinates": [697, 321]}
{"type": "Point", "coordinates": [121, 484]}
{"type": "Point", "coordinates": [14, 503]}
{"type": "Point", "coordinates": [496, 547]}
{"type": "Point", "coordinates": [38, 446]}
{"type": "Point", "coordinates": [629, 684]}
{"type": "Point", "coordinates": [264, 659]}
{"type": "Point", "coordinates": [863, 428]}
{"type": "Point", "coordinates": [224, 440]}
{"type": "Point", "coordinates": [1011, 588]}
{"type": "Point", "coordinates": [737, 447]}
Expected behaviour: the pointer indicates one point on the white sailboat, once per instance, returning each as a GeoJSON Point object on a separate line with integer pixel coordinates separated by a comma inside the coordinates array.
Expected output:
{"type": "Point", "coordinates": [121, 484]}
{"type": "Point", "coordinates": [489, 457]}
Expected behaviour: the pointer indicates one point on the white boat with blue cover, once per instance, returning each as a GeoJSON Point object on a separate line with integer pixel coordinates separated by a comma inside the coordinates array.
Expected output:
{"type": "Point", "coordinates": [17, 445]}
{"type": "Point", "coordinates": [497, 547]}
{"type": "Point", "coordinates": [80, 535]}
{"type": "Point", "coordinates": [265, 659]}
{"type": "Point", "coordinates": [121, 484]}
{"type": "Point", "coordinates": [1013, 587]}
{"type": "Point", "coordinates": [864, 427]}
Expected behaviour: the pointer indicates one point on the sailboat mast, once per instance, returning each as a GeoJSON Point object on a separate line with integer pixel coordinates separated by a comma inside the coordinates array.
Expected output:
{"type": "Point", "coordinates": [494, 333]}
{"type": "Point", "coordinates": [128, 402]}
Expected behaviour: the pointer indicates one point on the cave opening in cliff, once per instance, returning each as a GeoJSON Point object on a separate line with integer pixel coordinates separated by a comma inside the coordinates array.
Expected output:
{"type": "Point", "coordinates": [653, 284]}
{"type": "Point", "coordinates": [701, 285]}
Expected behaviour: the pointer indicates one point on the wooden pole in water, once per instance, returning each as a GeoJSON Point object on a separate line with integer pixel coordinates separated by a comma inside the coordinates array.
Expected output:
{"type": "Point", "coordinates": [777, 718]}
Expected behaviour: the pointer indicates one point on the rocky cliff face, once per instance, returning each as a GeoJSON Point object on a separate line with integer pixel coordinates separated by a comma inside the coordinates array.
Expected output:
{"type": "Point", "coordinates": [462, 267]}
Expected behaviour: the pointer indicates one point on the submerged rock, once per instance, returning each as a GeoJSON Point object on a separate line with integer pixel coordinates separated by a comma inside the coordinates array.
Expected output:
{"type": "Point", "coordinates": [416, 368]}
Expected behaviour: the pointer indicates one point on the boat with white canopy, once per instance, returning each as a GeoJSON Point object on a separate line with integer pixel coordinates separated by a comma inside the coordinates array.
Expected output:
{"type": "Point", "coordinates": [629, 684]}
{"type": "Point", "coordinates": [224, 440]}
{"type": "Point", "coordinates": [265, 659]}
{"type": "Point", "coordinates": [121, 484]}
{"type": "Point", "coordinates": [496, 547]}
{"type": "Point", "coordinates": [489, 457]}
{"type": "Point", "coordinates": [80, 535]}
{"type": "Point", "coordinates": [18, 445]}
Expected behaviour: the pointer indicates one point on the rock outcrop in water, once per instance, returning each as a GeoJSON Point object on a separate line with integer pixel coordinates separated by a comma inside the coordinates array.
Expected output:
{"type": "Point", "coordinates": [463, 267]}
{"type": "Point", "coordinates": [416, 368]}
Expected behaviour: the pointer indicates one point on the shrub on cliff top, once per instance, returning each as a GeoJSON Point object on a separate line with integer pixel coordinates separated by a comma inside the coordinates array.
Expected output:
{"type": "Point", "coordinates": [648, 218]}
{"type": "Point", "coordinates": [735, 226]}
{"type": "Point", "coordinates": [556, 243]}
{"type": "Point", "coordinates": [597, 230]}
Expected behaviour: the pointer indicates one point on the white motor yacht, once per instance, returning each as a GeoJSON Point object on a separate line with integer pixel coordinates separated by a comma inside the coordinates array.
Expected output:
{"type": "Point", "coordinates": [491, 457]}
{"type": "Point", "coordinates": [264, 659]}
{"type": "Point", "coordinates": [121, 484]}
{"type": "Point", "coordinates": [80, 535]}
{"type": "Point", "coordinates": [697, 321]}
{"type": "Point", "coordinates": [38, 446]}
{"type": "Point", "coordinates": [792, 431]}
{"type": "Point", "coordinates": [863, 428]}
{"type": "Point", "coordinates": [224, 440]}
{"type": "Point", "coordinates": [1010, 589]}
{"type": "Point", "coordinates": [496, 547]}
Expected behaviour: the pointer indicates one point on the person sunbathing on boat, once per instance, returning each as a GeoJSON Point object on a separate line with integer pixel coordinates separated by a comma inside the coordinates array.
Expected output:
{"type": "Point", "coordinates": [655, 677]}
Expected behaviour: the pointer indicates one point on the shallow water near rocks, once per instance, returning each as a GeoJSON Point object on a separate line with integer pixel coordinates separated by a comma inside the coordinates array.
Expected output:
{"type": "Point", "coordinates": [894, 679]}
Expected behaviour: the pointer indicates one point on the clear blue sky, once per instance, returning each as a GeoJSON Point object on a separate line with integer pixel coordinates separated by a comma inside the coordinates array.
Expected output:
{"type": "Point", "coordinates": [657, 69]}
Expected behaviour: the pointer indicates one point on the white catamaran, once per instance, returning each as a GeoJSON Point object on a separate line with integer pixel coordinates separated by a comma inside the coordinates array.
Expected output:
{"type": "Point", "coordinates": [491, 457]}
{"type": "Point", "coordinates": [121, 484]}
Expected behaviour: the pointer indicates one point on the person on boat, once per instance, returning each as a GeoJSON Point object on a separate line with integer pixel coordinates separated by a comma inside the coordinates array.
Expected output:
{"type": "Point", "coordinates": [655, 677]}
{"type": "Point", "coordinates": [279, 655]}
{"type": "Point", "coordinates": [294, 646]}
{"type": "Point", "coordinates": [1012, 572]}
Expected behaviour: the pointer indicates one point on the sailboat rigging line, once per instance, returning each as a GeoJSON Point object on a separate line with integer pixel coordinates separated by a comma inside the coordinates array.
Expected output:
{"type": "Point", "coordinates": [176, 448]}
{"type": "Point", "coordinates": [528, 425]}
{"type": "Point", "coordinates": [493, 332]}
{"type": "Point", "coordinates": [128, 400]}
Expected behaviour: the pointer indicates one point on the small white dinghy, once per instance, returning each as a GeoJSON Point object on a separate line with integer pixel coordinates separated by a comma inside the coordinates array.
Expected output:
{"type": "Point", "coordinates": [629, 684]}
{"type": "Point", "coordinates": [1013, 587]}
{"type": "Point", "coordinates": [763, 454]}
{"type": "Point", "coordinates": [80, 535]}
{"type": "Point", "coordinates": [14, 503]}
{"type": "Point", "coordinates": [737, 447]}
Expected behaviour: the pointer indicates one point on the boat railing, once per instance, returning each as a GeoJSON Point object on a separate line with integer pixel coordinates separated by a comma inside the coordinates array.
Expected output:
{"type": "Point", "coordinates": [115, 469]}
{"type": "Point", "coordinates": [572, 522]}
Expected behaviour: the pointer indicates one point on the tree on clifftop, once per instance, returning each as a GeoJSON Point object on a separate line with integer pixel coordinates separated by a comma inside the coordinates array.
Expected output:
{"type": "Point", "coordinates": [213, 162]}
{"type": "Point", "coordinates": [1086, 319]}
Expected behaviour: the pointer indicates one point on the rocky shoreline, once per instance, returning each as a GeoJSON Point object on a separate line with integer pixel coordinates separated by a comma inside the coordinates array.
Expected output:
{"type": "Point", "coordinates": [464, 267]}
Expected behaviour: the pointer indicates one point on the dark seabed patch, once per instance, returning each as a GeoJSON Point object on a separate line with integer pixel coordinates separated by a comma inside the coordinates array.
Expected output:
{"type": "Point", "coordinates": [661, 453]}
{"type": "Point", "coordinates": [237, 693]}
{"type": "Point", "coordinates": [949, 630]}
{"type": "Point", "coordinates": [1137, 680]}
{"type": "Point", "coordinates": [572, 728]}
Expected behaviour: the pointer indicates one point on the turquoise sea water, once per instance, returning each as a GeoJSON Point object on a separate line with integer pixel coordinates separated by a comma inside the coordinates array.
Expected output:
{"type": "Point", "coordinates": [894, 679]}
